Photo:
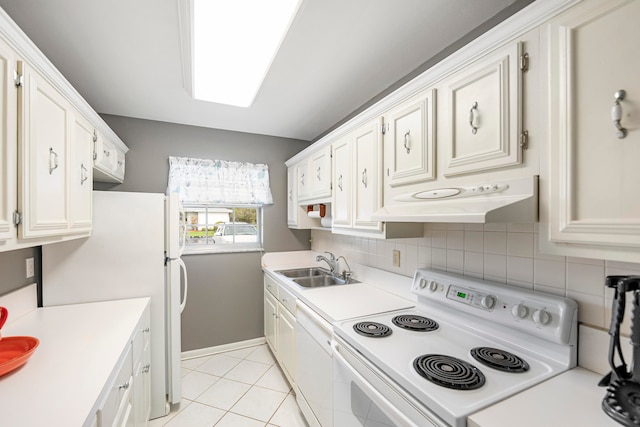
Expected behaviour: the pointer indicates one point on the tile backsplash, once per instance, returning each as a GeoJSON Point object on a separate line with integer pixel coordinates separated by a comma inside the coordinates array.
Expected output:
{"type": "Point", "coordinates": [504, 253]}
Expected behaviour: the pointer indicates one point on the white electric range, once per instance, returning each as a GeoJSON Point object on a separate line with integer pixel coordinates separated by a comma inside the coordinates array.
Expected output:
{"type": "Point", "coordinates": [466, 345]}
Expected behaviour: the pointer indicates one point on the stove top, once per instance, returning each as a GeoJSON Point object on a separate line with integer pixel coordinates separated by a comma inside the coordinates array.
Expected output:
{"type": "Point", "coordinates": [467, 343]}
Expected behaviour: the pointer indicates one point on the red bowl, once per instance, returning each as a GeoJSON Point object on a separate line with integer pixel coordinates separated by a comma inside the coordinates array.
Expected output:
{"type": "Point", "coordinates": [15, 351]}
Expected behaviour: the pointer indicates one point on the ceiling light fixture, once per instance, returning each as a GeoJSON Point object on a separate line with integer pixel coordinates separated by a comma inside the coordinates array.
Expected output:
{"type": "Point", "coordinates": [235, 42]}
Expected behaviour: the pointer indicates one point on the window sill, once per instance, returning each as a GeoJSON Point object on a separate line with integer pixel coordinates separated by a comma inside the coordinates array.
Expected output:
{"type": "Point", "coordinates": [209, 251]}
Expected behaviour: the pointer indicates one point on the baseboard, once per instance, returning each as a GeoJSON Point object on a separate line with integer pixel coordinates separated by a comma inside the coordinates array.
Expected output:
{"type": "Point", "coordinates": [222, 348]}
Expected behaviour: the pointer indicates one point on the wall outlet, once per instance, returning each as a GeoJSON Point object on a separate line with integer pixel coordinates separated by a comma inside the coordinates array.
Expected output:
{"type": "Point", "coordinates": [396, 258]}
{"type": "Point", "coordinates": [30, 268]}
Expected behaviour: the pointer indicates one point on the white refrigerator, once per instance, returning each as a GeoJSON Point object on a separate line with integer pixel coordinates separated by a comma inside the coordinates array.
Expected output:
{"type": "Point", "coordinates": [134, 251]}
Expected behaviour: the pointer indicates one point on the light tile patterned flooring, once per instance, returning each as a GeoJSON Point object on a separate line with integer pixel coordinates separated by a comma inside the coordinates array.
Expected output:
{"type": "Point", "coordinates": [238, 388]}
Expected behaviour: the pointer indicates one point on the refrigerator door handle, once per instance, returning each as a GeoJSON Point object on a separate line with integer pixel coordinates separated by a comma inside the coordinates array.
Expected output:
{"type": "Point", "coordinates": [183, 270]}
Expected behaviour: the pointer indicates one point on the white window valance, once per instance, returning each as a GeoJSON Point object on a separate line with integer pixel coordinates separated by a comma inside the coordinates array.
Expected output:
{"type": "Point", "coordinates": [204, 181]}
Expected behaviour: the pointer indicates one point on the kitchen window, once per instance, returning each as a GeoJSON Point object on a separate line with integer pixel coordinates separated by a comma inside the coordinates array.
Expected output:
{"type": "Point", "coordinates": [223, 203]}
{"type": "Point", "coordinates": [216, 228]}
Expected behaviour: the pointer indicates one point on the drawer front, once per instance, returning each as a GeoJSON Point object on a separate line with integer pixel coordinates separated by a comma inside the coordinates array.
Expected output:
{"type": "Point", "coordinates": [271, 286]}
{"type": "Point", "coordinates": [287, 299]}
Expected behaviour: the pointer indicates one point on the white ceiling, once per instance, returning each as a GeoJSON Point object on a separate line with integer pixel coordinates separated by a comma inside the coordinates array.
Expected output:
{"type": "Point", "coordinates": [124, 57]}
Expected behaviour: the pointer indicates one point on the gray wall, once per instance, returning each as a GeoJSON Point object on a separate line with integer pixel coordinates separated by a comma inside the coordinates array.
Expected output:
{"type": "Point", "coordinates": [224, 303]}
{"type": "Point", "coordinates": [13, 269]}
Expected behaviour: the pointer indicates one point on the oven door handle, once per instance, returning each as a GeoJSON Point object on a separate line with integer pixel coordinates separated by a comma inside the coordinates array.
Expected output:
{"type": "Point", "coordinates": [386, 406]}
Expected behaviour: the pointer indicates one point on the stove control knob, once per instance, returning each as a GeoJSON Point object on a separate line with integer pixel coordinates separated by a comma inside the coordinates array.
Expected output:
{"type": "Point", "coordinates": [520, 311]}
{"type": "Point", "coordinates": [541, 317]}
{"type": "Point", "coordinates": [488, 301]}
{"type": "Point", "coordinates": [433, 286]}
{"type": "Point", "coordinates": [423, 283]}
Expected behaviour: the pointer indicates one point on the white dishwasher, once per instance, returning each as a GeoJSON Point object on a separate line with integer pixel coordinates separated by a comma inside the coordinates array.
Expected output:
{"type": "Point", "coordinates": [314, 367]}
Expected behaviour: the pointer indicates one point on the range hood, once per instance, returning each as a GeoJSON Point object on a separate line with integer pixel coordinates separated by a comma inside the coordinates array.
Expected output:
{"type": "Point", "coordinates": [513, 200]}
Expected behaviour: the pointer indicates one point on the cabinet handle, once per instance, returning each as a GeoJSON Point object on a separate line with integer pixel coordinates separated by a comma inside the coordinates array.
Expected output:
{"type": "Point", "coordinates": [473, 118]}
{"type": "Point", "coordinates": [340, 182]}
{"type": "Point", "coordinates": [83, 174]}
{"type": "Point", "coordinates": [106, 153]}
{"type": "Point", "coordinates": [145, 368]}
{"type": "Point", "coordinates": [364, 177]}
{"type": "Point", "coordinates": [407, 141]}
{"type": "Point", "coordinates": [95, 136]}
{"type": "Point", "coordinates": [119, 162]}
{"type": "Point", "coordinates": [616, 113]}
{"type": "Point", "coordinates": [145, 330]}
{"type": "Point", "coordinates": [124, 386]}
{"type": "Point", "coordinates": [290, 195]}
{"type": "Point", "coordinates": [53, 160]}
{"type": "Point", "coordinates": [318, 174]}
{"type": "Point", "coordinates": [302, 179]}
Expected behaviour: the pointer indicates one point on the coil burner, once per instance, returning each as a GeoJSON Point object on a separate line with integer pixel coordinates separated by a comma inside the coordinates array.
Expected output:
{"type": "Point", "coordinates": [499, 359]}
{"type": "Point", "coordinates": [413, 322]}
{"type": "Point", "coordinates": [449, 372]}
{"type": "Point", "coordinates": [372, 329]}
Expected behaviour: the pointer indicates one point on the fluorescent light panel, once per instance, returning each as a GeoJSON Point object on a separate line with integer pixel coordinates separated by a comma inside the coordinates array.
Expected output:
{"type": "Point", "coordinates": [235, 42]}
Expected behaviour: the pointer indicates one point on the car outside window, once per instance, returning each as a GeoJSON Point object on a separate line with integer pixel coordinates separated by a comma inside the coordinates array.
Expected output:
{"type": "Point", "coordinates": [215, 228]}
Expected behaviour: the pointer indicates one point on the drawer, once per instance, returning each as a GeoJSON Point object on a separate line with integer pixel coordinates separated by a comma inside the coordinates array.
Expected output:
{"type": "Point", "coordinates": [287, 299]}
{"type": "Point", "coordinates": [271, 286]}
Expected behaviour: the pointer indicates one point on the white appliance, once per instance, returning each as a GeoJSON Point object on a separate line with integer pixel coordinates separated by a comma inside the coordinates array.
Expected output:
{"type": "Point", "coordinates": [466, 345]}
{"type": "Point", "coordinates": [134, 251]}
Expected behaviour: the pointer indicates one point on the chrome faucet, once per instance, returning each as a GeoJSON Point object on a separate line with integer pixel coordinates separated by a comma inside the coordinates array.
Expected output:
{"type": "Point", "coordinates": [331, 261]}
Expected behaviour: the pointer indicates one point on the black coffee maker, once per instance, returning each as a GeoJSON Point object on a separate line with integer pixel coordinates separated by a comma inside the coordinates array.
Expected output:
{"type": "Point", "coordinates": [622, 400]}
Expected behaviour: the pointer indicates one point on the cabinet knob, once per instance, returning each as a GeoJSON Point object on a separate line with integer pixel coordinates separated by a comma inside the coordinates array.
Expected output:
{"type": "Point", "coordinates": [124, 386]}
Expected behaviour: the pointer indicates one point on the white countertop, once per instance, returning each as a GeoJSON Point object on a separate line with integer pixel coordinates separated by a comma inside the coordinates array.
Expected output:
{"type": "Point", "coordinates": [378, 292]}
{"type": "Point", "coordinates": [569, 399]}
{"type": "Point", "coordinates": [80, 345]}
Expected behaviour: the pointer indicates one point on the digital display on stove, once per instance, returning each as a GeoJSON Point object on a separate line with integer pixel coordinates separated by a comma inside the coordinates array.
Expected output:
{"type": "Point", "coordinates": [461, 295]}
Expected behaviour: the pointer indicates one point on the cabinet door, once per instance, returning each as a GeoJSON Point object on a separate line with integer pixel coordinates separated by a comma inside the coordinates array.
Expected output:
{"type": "Point", "coordinates": [81, 178]}
{"type": "Point", "coordinates": [320, 173]}
{"type": "Point", "coordinates": [270, 313]}
{"type": "Point", "coordinates": [292, 197]}
{"type": "Point", "coordinates": [594, 173]}
{"type": "Point", "coordinates": [410, 142]}
{"type": "Point", "coordinates": [342, 176]}
{"type": "Point", "coordinates": [482, 113]}
{"type": "Point", "coordinates": [45, 134]}
{"type": "Point", "coordinates": [8, 137]}
{"type": "Point", "coordinates": [367, 147]}
{"type": "Point", "coordinates": [304, 186]}
{"type": "Point", "coordinates": [287, 341]}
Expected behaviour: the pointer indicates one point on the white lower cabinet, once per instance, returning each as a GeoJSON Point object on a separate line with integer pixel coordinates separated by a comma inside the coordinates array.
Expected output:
{"type": "Point", "coordinates": [127, 402]}
{"type": "Point", "coordinates": [279, 325]}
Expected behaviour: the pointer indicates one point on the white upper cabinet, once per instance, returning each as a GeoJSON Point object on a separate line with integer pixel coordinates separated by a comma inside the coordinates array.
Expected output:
{"type": "Point", "coordinates": [367, 180]}
{"type": "Point", "coordinates": [342, 202]}
{"type": "Point", "coordinates": [108, 160]}
{"type": "Point", "coordinates": [481, 114]}
{"type": "Point", "coordinates": [314, 177]}
{"type": "Point", "coordinates": [592, 203]}
{"type": "Point", "coordinates": [81, 174]}
{"type": "Point", "coordinates": [320, 173]}
{"type": "Point", "coordinates": [409, 141]}
{"type": "Point", "coordinates": [45, 138]}
{"type": "Point", "coordinates": [8, 138]}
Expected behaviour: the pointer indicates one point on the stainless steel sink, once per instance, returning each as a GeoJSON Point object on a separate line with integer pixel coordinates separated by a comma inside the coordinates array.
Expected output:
{"type": "Point", "coordinates": [305, 272]}
{"type": "Point", "coordinates": [313, 277]}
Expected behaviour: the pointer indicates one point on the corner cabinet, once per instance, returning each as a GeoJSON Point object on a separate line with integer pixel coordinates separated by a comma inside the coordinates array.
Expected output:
{"type": "Point", "coordinates": [591, 204]}
{"type": "Point", "coordinates": [109, 160]}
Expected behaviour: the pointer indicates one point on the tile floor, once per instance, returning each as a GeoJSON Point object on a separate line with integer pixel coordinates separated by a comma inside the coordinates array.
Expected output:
{"type": "Point", "coordinates": [239, 388]}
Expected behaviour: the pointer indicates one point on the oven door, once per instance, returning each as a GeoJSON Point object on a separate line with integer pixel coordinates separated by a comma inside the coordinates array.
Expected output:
{"type": "Point", "coordinates": [362, 395]}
